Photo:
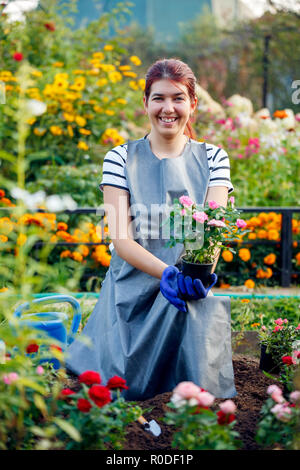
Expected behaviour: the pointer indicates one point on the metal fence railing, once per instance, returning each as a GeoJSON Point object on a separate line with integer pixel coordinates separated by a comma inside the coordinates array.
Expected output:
{"type": "Point", "coordinates": [286, 239]}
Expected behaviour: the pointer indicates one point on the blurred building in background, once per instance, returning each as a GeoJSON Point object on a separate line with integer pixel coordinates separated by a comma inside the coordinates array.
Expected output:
{"type": "Point", "coordinates": [165, 16]}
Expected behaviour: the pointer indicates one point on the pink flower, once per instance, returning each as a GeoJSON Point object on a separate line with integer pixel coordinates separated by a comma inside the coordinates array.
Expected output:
{"type": "Point", "coordinates": [186, 201]}
{"type": "Point", "coordinates": [231, 199]}
{"type": "Point", "coordinates": [10, 378]}
{"type": "Point", "coordinates": [240, 223]}
{"type": "Point", "coordinates": [295, 396]}
{"type": "Point", "coordinates": [213, 205]}
{"type": "Point", "coordinates": [186, 390]}
{"type": "Point", "coordinates": [200, 217]}
{"type": "Point", "coordinates": [240, 155]}
{"type": "Point", "coordinates": [297, 327]}
{"type": "Point", "coordinates": [296, 355]}
{"type": "Point", "coordinates": [183, 212]}
{"type": "Point", "coordinates": [279, 321]}
{"type": "Point", "coordinates": [282, 411]}
{"type": "Point", "coordinates": [228, 407]}
{"type": "Point", "coordinates": [216, 223]}
{"type": "Point", "coordinates": [40, 370]}
{"type": "Point", "coordinates": [277, 328]}
{"type": "Point", "coordinates": [205, 399]}
{"type": "Point", "coordinates": [263, 328]}
{"type": "Point", "coordinates": [273, 389]}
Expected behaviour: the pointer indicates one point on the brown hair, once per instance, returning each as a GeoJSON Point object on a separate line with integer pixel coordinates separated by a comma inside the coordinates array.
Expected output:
{"type": "Point", "coordinates": [176, 71]}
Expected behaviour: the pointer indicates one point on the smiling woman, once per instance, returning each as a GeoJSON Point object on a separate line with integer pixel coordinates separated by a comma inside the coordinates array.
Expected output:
{"type": "Point", "coordinates": [142, 327]}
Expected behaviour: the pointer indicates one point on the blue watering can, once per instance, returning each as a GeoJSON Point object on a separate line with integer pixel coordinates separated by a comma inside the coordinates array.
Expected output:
{"type": "Point", "coordinates": [53, 323]}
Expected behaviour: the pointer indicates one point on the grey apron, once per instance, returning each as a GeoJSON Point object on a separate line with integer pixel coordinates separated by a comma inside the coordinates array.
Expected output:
{"type": "Point", "coordinates": [134, 331]}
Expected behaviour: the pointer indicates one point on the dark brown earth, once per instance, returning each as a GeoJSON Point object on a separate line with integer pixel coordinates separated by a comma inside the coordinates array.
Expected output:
{"type": "Point", "coordinates": [251, 385]}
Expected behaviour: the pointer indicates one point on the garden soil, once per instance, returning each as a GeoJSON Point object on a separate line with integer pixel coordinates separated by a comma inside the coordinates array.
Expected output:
{"type": "Point", "coordinates": [251, 385]}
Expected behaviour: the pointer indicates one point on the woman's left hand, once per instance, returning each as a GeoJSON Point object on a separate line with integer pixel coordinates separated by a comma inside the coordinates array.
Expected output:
{"type": "Point", "coordinates": [193, 289]}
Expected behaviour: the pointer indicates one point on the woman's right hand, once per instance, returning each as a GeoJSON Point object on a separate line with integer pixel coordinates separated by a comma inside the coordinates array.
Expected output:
{"type": "Point", "coordinates": [169, 288]}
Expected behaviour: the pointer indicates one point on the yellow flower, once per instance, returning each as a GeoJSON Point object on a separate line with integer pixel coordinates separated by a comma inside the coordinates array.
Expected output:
{"type": "Point", "coordinates": [77, 256]}
{"type": "Point", "coordinates": [130, 74]}
{"type": "Point", "coordinates": [39, 132]}
{"type": "Point", "coordinates": [124, 67]}
{"type": "Point", "coordinates": [58, 64]}
{"type": "Point", "coordinates": [21, 239]}
{"type": "Point", "coordinates": [101, 82]}
{"type": "Point", "coordinates": [135, 60]}
{"type": "Point", "coordinates": [36, 73]}
{"type": "Point", "coordinates": [108, 47]}
{"type": "Point", "coordinates": [115, 77]}
{"type": "Point", "coordinates": [98, 55]}
{"type": "Point", "coordinates": [56, 130]}
{"type": "Point", "coordinates": [81, 121]}
{"type": "Point", "coordinates": [109, 112]}
{"type": "Point", "coordinates": [134, 85]}
{"type": "Point", "coordinates": [31, 121]}
{"type": "Point", "coordinates": [98, 109]}
{"type": "Point", "coordinates": [270, 259]}
{"type": "Point", "coordinates": [70, 131]}
{"type": "Point", "coordinates": [69, 117]}
{"type": "Point", "coordinates": [3, 238]}
{"type": "Point", "coordinates": [121, 101]}
{"type": "Point", "coordinates": [273, 234]}
{"type": "Point", "coordinates": [93, 71]}
{"type": "Point", "coordinates": [82, 145]}
{"type": "Point", "coordinates": [85, 131]}
{"type": "Point", "coordinates": [78, 72]}
{"type": "Point", "coordinates": [107, 67]}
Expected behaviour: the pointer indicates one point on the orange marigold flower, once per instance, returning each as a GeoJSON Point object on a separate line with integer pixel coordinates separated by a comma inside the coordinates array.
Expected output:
{"type": "Point", "coordinates": [273, 234]}
{"type": "Point", "coordinates": [77, 256]}
{"type": "Point", "coordinates": [223, 285]}
{"type": "Point", "coordinates": [270, 259]}
{"type": "Point", "coordinates": [269, 273]}
{"type": "Point", "coordinates": [244, 254]}
{"type": "Point", "coordinates": [3, 238]}
{"type": "Point", "coordinates": [249, 284]}
{"type": "Point", "coordinates": [260, 274]}
{"type": "Point", "coordinates": [295, 244]}
{"type": "Point", "coordinates": [262, 234]}
{"type": "Point", "coordinates": [83, 249]}
{"type": "Point", "coordinates": [281, 114]}
{"type": "Point", "coordinates": [66, 254]}
{"type": "Point", "coordinates": [2, 193]}
{"type": "Point", "coordinates": [5, 201]}
{"type": "Point", "coordinates": [62, 226]}
{"type": "Point", "coordinates": [245, 301]}
{"type": "Point", "coordinates": [227, 256]}
{"type": "Point", "coordinates": [298, 258]}
{"type": "Point", "coordinates": [252, 236]}
{"type": "Point", "coordinates": [254, 325]}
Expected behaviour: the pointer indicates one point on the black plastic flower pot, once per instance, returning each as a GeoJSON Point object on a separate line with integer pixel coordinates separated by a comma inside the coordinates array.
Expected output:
{"type": "Point", "coordinates": [266, 361]}
{"type": "Point", "coordinates": [197, 271]}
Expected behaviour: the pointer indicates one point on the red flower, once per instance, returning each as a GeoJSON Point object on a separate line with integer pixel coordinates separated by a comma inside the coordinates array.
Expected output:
{"type": "Point", "coordinates": [288, 360]}
{"type": "Point", "coordinates": [90, 377]}
{"type": "Point", "coordinates": [117, 382]}
{"type": "Point", "coordinates": [83, 405]}
{"type": "Point", "coordinates": [224, 418]}
{"type": "Point", "coordinates": [32, 348]}
{"type": "Point", "coordinates": [100, 395]}
{"type": "Point", "coordinates": [50, 26]}
{"type": "Point", "coordinates": [66, 392]}
{"type": "Point", "coordinates": [18, 56]}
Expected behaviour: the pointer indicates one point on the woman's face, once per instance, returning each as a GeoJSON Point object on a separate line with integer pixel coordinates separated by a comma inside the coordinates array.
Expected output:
{"type": "Point", "coordinates": [169, 108]}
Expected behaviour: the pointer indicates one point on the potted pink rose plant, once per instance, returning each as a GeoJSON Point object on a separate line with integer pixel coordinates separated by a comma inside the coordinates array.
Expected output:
{"type": "Point", "coordinates": [203, 231]}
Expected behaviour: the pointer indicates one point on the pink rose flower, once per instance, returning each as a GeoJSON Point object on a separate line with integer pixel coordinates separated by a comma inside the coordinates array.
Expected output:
{"type": "Point", "coordinates": [205, 399]}
{"type": "Point", "coordinates": [282, 411]}
{"type": "Point", "coordinates": [277, 328]}
{"type": "Point", "coordinates": [200, 217]}
{"type": "Point", "coordinates": [295, 396]}
{"type": "Point", "coordinates": [186, 390]}
{"type": "Point", "coordinates": [216, 223]}
{"type": "Point", "coordinates": [277, 397]}
{"type": "Point", "coordinates": [240, 223]}
{"type": "Point", "coordinates": [183, 212]}
{"type": "Point", "coordinates": [213, 205]}
{"type": "Point", "coordinates": [273, 389]}
{"type": "Point", "coordinates": [10, 378]}
{"type": "Point", "coordinates": [228, 407]}
{"type": "Point", "coordinates": [279, 321]}
{"type": "Point", "coordinates": [40, 370]}
{"type": "Point", "coordinates": [186, 201]}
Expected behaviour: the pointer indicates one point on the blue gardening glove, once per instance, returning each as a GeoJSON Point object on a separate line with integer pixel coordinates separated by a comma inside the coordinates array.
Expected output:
{"type": "Point", "coordinates": [169, 288]}
{"type": "Point", "coordinates": [193, 289]}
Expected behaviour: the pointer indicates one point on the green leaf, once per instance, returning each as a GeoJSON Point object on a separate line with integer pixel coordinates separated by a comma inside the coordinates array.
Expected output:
{"type": "Point", "coordinates": [68, 429]}
{"type": "Point", "coordinates": [31, 384]}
